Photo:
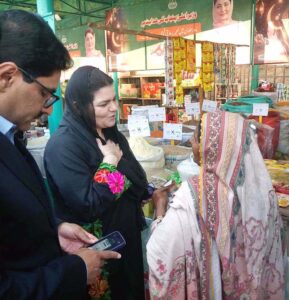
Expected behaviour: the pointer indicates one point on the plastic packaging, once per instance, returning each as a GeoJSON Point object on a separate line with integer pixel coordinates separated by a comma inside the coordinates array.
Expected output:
{"type": "Point", "coordinates": [188, 168]}
{"type": "Point", "coordinates": [268, 141]}
{"type": "Point", "coordinates": [245, 104]}
{"type": "Point", "coordinates": [150, 157]}
{"type": "Point", "coordinates": [283, 145]}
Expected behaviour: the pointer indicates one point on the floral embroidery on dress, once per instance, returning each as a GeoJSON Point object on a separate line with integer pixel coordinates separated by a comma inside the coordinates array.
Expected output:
{"type": "Point", "coordinates": [177, 278]}
{"type": "Point", "coordinates": [161, 267]}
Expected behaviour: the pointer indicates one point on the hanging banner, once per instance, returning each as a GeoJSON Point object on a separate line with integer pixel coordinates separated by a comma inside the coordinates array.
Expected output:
{"type": "Point", "coordinates": [221, 21]}
{"type": "Point", "coordinates": [121, 53]}
{"type": "Point", "coordinates": [86, 47]}
{"type": "Point", "coordinates": [271, 40]}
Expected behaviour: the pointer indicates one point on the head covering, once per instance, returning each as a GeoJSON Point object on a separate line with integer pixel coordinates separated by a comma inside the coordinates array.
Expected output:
{"type": "Point", "coordinates": [239, 207]}
{"type": "Point", "coordinates": [79, 95]}
{"type": "Point", "coordinates": [222, 235]}
{"type": "Point", "coordinates": [216, 21]}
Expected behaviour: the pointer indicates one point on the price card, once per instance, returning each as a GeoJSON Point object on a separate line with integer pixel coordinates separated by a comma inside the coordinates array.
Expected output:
{"type": "Point", "coordinates": [157, 114]}
{"type": "Point", "coordinates": [138, 126]}
{"type": "Point", "coordinates": [187, 99]}
{"type": "Point", "coordinates": [193, 108]}
{"type": "Point", "coordinates": [260, 109]}
{"type": "Point", "coordinates": [209, 105]}
{"type": "Point", "coordinates": [173, 131]}
{"type": "Point", "coordinates": [139, 111]}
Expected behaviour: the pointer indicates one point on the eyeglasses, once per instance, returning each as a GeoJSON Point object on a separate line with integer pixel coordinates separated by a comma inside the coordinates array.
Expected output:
{"type": "Point", "coordinates": [52, 99]}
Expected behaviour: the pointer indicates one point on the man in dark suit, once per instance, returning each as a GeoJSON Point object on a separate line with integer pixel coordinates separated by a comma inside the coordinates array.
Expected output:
{"type": "Point", "coordinates": [40, 258]}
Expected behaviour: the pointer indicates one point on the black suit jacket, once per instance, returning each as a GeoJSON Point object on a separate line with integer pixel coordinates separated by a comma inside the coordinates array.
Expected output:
{"type": "Point", "coordinates": [32, 264]}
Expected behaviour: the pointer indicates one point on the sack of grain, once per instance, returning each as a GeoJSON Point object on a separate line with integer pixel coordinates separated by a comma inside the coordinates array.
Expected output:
{"type": "Point", "coordinates": [150, 157]}
{"type": "Point", "coordinates": [175, 154]}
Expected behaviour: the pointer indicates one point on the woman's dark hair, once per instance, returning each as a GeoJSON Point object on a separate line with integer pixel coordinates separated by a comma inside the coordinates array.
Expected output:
{"type": "Point", "coordinates": [28, 41]}
{"type": "Point", "coordinates": [79, 94]}
{"type": "Point", "coordinates": [89, 30]}
{"type": "Point", "coordinates": [215, 1]}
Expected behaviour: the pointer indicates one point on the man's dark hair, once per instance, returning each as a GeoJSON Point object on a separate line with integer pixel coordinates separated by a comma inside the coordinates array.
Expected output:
{"type": "Point", "coordinates": [28, 41]}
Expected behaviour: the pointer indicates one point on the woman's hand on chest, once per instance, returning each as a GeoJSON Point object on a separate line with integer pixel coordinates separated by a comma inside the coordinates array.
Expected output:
{"type": "Point", "coordinates": [111, 152]}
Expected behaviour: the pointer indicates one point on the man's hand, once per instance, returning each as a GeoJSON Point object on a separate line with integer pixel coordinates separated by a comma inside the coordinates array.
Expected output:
{"type": "Point", "coordinates": [72, 237]}
{"type": "Point", "coordinates": [94, 260]}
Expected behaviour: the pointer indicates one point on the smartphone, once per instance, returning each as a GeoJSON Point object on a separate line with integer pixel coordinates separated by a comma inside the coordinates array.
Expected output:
{"type": "Point", "coordinates": [168, 183]}
{"type": "Point", "coordinates": [170, 194]}
{"type": "Point", "coordinates": [113, 241]}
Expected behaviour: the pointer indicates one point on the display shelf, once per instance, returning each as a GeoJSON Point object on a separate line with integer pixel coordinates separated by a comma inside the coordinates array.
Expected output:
{"type": "Point", "coordinates": [139, 89]}
{"type": "Point", "coordinates": [151, 99]}
{"type": "Point", "coordinates": [190, 87]}
{"type": "Point", "coordinates": [138, 98]}
{"type": "Point", "coordinates": [196, 92]}
{"type": "Point", "coordinates": [223, 91]}
{"type": "Point", "coordinates": [129, 98]}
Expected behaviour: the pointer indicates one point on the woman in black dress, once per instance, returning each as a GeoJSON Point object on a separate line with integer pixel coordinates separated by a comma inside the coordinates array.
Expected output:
{"type": "Point", "coordinates": [78, 158]}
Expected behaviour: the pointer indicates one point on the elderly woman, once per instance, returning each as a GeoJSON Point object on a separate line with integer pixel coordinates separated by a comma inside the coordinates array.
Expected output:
{"type": "Point", "coordinates": [96, 180]}
{"type": "Point", "coordinates": [221, 236]}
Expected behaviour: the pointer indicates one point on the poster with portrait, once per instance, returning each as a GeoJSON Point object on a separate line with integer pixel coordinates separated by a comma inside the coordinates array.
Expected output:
{"type": "Point", "coordinates": [220, 21]}
{"type": "Point", "coordinates": [231, 24]}
{"type": "Point", "coordinates": [271, 37]}
{"type": "Point", "coordinates": [121, 53]}
{"type": "Point", "coordinates": [86, 47]}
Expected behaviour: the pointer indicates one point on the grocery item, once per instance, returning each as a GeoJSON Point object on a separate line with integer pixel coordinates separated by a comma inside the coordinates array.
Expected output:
{"type": "Point", "coordinates": [188, 168]}
{"type": "Point", "coordinates": [283, 145]}
{"type": "Point", "coordinates": [150, 157]}
{"type": "Point", "coordinates": [283, 199]}
{"type": "Point", "coordinates": [268, 143]}
{"type": "Point", "coordinates": [175, 154]}
{"type": "Point", "coordinates": [279, 172]}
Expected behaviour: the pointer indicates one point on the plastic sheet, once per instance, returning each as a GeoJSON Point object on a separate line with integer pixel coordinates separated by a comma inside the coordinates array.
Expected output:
{"type": "Point", "coordinates": [283, 145]}
{"type": "Point", "coordinates": [267, 138]}
{"type": "Point", "coordinates": [188, 168]}
{"type": "Point", "coordinates": [245, 104]}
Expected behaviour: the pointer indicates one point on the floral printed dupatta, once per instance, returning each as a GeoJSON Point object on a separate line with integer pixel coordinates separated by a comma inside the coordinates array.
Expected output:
{"type": "Point", "coordinates": [183, 260]}
{"type": "Point", "coordinates": [239, 208]}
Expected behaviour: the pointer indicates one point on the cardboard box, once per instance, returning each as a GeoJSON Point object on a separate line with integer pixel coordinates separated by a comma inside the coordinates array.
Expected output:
{"type": "Point", "coordinates": [151, 90]}
{"type": "Point", "coordinates": [126, 110]}
{"type": "Point", "coordinates": [129, 92]}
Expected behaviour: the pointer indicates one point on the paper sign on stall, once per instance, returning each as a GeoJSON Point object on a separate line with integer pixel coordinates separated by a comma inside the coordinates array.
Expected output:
{"type": "Point", "coordinates": [172, 131]}
{"type": "Point", "coordinates": [141, 110]}
{"type": "Point", "coordinates": [260, 109]}
{"type": "Point", "coordinates": [192, 108]}
{"type": "Point", "coordinates": [157, 114]}
{"type": "Point", "coordinates": [138, 126]}
{"type": "Point", "coordinates": [187, 99]}
{"type": "Point", "coordinates": [209, 105]}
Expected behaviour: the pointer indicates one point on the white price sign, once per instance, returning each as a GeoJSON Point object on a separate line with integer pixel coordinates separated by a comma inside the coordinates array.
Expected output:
{"type": "Point", "coordinates": [260, 109]}
{"type": "Point", "coordinates": [173, 131]}
{"type": "Point", "coordinates": [187, 99]}
{"type": "Point", "coordinates": [193, 108]}
{"type": "Point", "coordinates": [209, 105]}
{"type": "Point", "coordinates": [157, 114]}
{"type": "Point", "coordinates": [138, 126]}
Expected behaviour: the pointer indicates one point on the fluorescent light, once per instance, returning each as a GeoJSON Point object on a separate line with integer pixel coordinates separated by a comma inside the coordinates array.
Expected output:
{"type": "Point", "coordinates": [57, 17]}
